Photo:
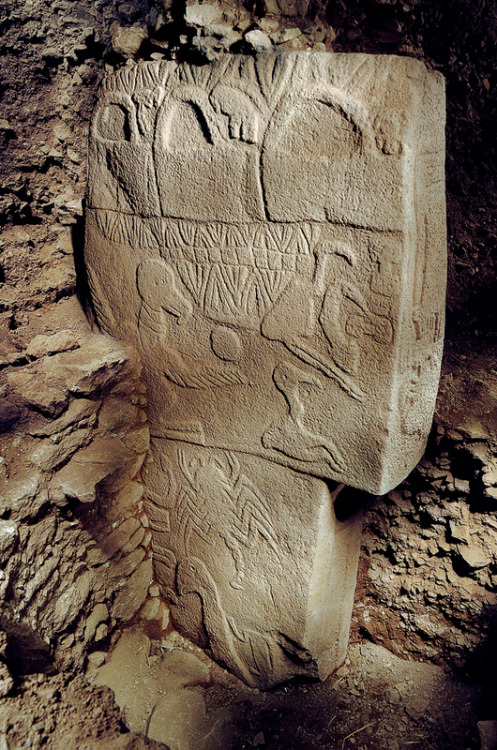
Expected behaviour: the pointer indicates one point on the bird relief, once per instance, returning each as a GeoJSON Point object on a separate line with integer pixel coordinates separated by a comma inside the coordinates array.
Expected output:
{"type": "Point", "coordinates": [165, 307]}
{"type": "Point", "coordinates": [322, 320]}
{"type": "Point", "coordinates": [218, 500]}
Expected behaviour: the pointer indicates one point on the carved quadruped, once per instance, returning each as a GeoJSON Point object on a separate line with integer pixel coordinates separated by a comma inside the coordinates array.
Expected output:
{"type": "Point", "coordinates": [269, 233]}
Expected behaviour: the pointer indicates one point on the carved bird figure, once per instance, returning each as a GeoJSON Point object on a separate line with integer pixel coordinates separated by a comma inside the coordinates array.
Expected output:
{"type": "Point", "coordinates": [246, 513]}
{"type": "Point", "coordinates": [289, 434]}
{"type": "Point", "coordinates": [162, 302]}
{"type": "Point", "coordinates": [246, 653]}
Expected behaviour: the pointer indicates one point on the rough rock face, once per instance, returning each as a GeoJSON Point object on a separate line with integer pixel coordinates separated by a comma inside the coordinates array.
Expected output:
{"type": "Point", "coordinates": [269, 233]}
{"type": "Point", "coordinates": [74, 541]}
{"type": "Point", "coordinates": [428, 573]}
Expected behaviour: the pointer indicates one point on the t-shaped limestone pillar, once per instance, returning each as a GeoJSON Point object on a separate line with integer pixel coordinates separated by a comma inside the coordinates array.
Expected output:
{"type": "Point", "coordinates": [269, 232]}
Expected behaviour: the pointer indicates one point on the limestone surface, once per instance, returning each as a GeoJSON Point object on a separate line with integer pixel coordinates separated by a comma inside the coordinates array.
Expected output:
{"type": "Point", "coordinates": [269, 233]}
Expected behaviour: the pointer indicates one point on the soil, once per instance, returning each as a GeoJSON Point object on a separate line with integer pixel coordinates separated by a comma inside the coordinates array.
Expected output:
{"type": "Point", "coordinates": [59, 711]}
{"type": "Point", "coordinates": [375, 701]}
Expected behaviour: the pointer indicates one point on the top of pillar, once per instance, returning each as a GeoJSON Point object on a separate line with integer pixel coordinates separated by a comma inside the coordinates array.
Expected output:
{"type": "Point", "coordinates": [288, 209]}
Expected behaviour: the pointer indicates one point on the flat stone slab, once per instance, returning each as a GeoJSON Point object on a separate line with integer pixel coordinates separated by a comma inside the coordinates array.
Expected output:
{"type": "Point", "coordinates": [269, 232]}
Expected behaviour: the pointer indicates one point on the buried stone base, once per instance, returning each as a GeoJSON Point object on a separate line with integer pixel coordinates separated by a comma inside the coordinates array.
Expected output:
{"type": "Point", "coordinates": [253, 560]}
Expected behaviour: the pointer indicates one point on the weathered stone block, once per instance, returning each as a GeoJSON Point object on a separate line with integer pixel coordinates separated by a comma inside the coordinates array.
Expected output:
{"type": "Point", "coordinates": [269, 232]}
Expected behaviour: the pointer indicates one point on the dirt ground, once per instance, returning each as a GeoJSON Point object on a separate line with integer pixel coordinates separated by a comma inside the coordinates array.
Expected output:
{"type": "Point", "coordinates": [172, 692]}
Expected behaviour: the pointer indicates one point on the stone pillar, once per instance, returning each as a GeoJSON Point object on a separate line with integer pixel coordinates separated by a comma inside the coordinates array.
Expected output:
{"type": "Point", "coordinates": [269, 233]}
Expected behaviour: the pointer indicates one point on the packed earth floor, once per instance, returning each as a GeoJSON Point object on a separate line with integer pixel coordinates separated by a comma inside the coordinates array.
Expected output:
{"type": "Point", "coordinates": [170, 690]}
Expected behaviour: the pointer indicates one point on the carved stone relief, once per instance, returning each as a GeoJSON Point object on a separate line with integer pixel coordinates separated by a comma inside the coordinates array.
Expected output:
{"type": "Point", "coordinates": [269, 233]}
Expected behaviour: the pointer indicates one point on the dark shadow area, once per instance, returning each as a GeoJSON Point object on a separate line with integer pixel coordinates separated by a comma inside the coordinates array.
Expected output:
{"type": "Point", "coordinates": [82, 286]}
{"type": "Point", "coordinates": [26, 651]}
{"type": "Point", "coordinates": [350, 501]}
{"type": "Point", "coordinates": [480, 666]}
